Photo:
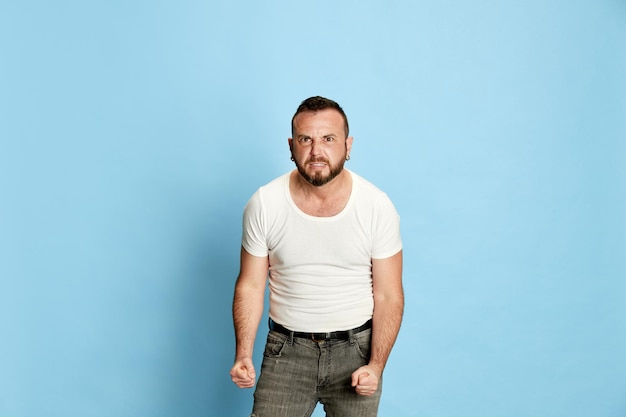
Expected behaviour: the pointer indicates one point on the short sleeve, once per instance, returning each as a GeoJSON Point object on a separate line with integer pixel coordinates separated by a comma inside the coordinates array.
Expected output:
{"type": "Point", "coordinates": [387, 239]}
{"type": "Point", "coordinates": [253, 237]}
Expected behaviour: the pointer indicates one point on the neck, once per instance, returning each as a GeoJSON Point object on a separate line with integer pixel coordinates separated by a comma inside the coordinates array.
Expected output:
{"type": "Point", "coordinates": [323, 201]}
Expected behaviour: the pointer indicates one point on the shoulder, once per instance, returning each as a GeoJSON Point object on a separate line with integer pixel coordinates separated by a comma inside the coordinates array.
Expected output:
{"type": "Point", "coordinates": [365, 188]}
{"type": "Point", "coordinates": [369, 195]}
{"type": "Point", "coordinates": [272, 188]}
{"type": "Point", "coordinates": [361, 182]}
{"type": "Point", "coordinates": [268, 195]}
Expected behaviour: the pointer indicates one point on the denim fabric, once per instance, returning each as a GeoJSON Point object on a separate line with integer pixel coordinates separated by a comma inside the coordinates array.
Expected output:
{"type": "Point", "coordinates": [297, 373]}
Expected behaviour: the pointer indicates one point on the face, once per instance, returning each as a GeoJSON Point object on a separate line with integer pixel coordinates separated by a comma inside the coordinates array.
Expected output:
{"type": "Point", "coordinates": [319, 146]}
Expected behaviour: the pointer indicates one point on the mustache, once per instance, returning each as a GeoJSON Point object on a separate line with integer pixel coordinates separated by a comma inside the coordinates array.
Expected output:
{"type": "Point", "coordinates": [314, 160]}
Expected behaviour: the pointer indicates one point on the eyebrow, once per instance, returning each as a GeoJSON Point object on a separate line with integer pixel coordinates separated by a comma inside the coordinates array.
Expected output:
{"type": "Point", "coordinates": [328, 135]}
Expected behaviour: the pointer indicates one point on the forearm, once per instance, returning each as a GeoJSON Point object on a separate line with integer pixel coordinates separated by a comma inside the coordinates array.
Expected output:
{"type": "Point", "coordinates": [247, 312]}
{"type": "Point", "coordinates": [386, 322]}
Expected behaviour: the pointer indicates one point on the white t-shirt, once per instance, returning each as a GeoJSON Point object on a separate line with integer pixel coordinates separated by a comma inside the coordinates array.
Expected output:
{"type": "Point", "coordinates": [321, 267]}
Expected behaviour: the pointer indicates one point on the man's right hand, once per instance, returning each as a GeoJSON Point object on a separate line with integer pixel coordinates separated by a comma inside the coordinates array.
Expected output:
{"type": "Point", "coordinates": [243, 374]}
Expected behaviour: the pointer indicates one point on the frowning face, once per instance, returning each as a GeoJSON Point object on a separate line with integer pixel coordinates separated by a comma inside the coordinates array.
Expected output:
{"type": "Point", "coordinates": [319, 147]}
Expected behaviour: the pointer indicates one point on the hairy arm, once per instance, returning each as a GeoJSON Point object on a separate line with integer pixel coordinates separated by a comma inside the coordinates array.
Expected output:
{"type": "Point", "coordinates": [247, 312]}
{"type": "Point", "coordinates": [388, 309]}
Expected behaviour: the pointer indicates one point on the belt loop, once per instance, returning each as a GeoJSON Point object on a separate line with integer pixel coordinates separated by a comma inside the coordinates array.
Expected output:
{"type": "Point", "coordinates": [291, 338]}
{"type": "Point", "coordinates": [351, 337]}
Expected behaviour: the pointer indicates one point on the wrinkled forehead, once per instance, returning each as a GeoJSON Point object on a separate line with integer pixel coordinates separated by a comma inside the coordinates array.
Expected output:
{"type": "Point", "coordinates": [326, 121]}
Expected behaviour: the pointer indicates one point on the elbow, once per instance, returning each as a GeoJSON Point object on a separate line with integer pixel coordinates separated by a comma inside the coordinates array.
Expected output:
{"type": "Point", "coordinates": [394, 300]}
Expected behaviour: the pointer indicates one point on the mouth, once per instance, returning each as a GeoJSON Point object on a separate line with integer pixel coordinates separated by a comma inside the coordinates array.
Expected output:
{"type": "Point", "coordinates": [317, 164]}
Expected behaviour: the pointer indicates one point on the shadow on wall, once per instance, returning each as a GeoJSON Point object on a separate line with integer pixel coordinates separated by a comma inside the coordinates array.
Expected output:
{"type": "Point", "coordinates": [205, 349]}
{"type": "Point", "coordinates": [201, 384]}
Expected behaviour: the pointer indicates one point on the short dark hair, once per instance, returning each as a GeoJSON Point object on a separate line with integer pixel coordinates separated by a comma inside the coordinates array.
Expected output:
{"type": "Point", "coordinates": [318, 103]}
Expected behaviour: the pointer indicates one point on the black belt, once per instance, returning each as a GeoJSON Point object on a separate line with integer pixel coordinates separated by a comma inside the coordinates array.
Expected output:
{"type": "Point", "coordinates": [340, 335]}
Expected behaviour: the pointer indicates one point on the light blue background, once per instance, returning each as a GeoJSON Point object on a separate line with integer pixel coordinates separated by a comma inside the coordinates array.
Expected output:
{"type": "Point", "coordinates": [133, 133]}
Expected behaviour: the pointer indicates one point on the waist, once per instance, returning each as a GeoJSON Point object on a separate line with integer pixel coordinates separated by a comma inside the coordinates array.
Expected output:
{"type": "Point", "coordinates": [337, 335]}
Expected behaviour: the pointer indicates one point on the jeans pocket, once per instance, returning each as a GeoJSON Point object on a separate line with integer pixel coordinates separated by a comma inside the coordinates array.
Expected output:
{"type": "Point", "coordinates": [274, 345]}
{"type": "Point", "coordinates": [362, 343]}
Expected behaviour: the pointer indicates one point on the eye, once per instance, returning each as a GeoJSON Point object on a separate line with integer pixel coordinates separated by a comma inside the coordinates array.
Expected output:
{"type": "Point", "coordinates": [304, 140]}
{"type": "Point", "coordinates": [329, 139]}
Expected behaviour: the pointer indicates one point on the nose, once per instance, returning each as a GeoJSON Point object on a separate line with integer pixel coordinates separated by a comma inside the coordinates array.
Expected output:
{"type": "Point", "coordinates": [316, 146]}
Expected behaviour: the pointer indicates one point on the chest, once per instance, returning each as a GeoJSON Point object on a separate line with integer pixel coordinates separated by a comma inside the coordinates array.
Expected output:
{"type": "Point", "coordinates": [328, 208]}
{"type": "Point", "coordinates": [296, 240]}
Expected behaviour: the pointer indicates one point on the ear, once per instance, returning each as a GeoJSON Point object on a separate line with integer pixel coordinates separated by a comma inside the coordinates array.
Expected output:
{"type": "Point", "coordinates": [349, 141]}
{"type": "Point", "coordinates": [290, 141]}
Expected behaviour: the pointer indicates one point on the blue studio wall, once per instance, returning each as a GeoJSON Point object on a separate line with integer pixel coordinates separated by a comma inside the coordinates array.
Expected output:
{"type": "Point", "coordinates": [132, 134]}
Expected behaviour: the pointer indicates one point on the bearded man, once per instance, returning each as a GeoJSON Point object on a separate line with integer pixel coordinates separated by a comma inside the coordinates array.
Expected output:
{"type": "Point", "coordinates": [329, 243]}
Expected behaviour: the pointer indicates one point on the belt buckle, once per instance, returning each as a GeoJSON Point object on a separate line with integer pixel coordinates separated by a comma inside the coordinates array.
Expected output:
{"type": "Point", "coordinates": [326, 337]}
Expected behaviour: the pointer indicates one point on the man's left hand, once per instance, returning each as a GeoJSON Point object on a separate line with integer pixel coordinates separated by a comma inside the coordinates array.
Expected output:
{"type": "Point", "coordinates": [365, 380]}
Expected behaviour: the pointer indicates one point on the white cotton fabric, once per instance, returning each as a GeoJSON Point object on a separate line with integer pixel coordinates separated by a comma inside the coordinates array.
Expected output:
{"type": "Point", "coordinates": [320, 267]}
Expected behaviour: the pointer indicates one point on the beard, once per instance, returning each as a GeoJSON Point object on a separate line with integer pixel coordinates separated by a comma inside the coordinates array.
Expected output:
{"type": "Point", "coordinates": [319, 179]}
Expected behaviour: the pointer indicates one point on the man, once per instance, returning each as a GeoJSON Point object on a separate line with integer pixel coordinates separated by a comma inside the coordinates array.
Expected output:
{"type": "Point", "coordinates": [330, 242]}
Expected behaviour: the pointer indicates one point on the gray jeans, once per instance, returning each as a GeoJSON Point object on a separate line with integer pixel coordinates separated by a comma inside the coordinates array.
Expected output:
{"type": "Point", "coordinates": [297, 373]}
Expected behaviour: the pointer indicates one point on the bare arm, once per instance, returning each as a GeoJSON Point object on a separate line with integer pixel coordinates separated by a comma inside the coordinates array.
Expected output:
{"type": "Point", "coordinates": [247, 312]}
{"type": "Point", "coordinates": [388, 309]}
